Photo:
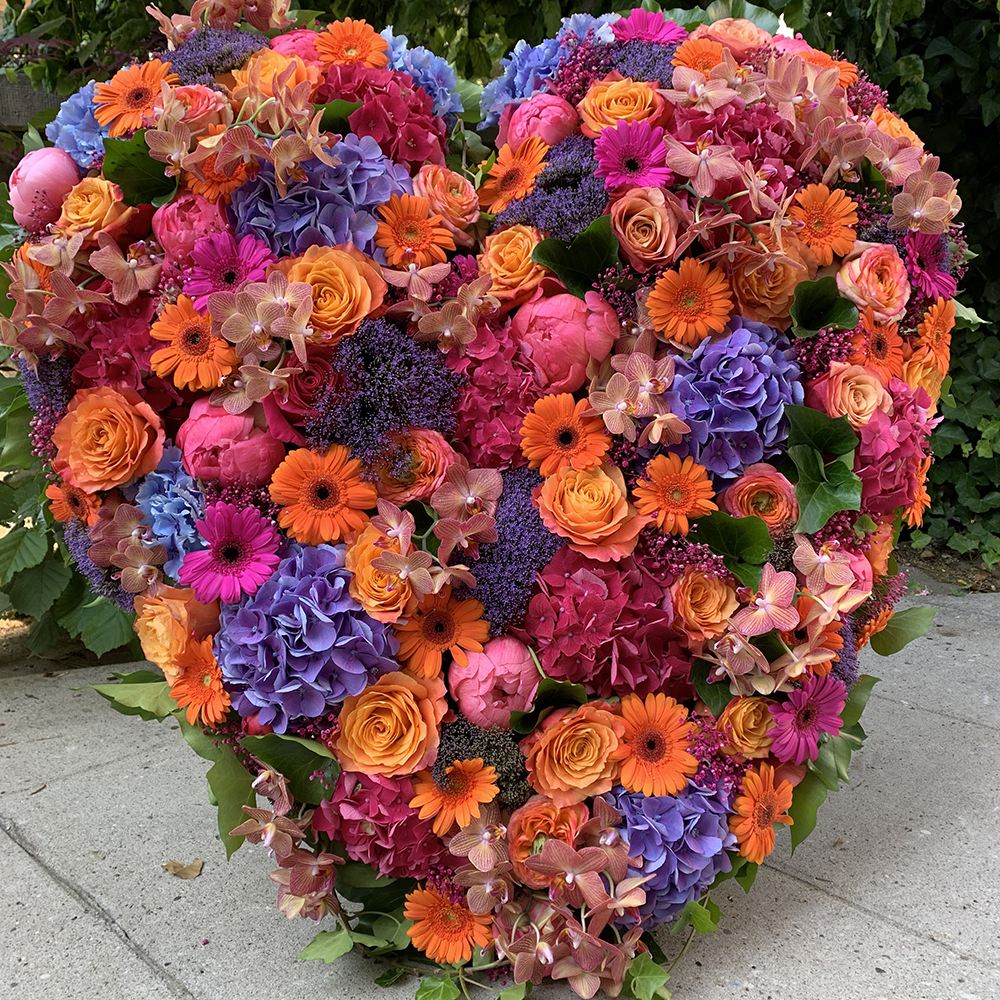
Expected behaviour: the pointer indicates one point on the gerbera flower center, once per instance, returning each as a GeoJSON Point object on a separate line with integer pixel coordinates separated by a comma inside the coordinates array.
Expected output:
{"type": "Point", "coordinates": [230, 554]}
{"type": "Point", "coordinates": [805, 717]}
{"type": "Point", "coordinates": [651, 747]}
{"type": "Point", "coordinates": [691, 300]}
{"type": "Point", "coordinates": [878, 346]}
{"type": "Point", "coordinates": [193, 340]}
{"type": "Point", "coordinates": [511, 180]}
{"type": "Point", "coordinates": [439, 629]}
{"type": "Point", "coordinates": [324, 494]}
{"type": "Point", "coordinates": [413, 234]}
{"type": "Point", "coordinates": [566, 437]}
{"type": "Point", "coordinates": [632, 165]}
{"type": "Point", "coordinates": [138, 97]}
{"type": "Point", "coordinates": [764, 814]}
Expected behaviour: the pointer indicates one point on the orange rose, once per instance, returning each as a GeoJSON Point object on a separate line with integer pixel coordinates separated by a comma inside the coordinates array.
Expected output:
{"type": "Point", "coordinates": [765, 295]}
{"type": "Point", "coordinates": [392, 727]}
{"type": "Point", "coordinates": [851, 391]}
{"type": "Point", "coordinates": [347, 288]}
{"type": "Point", "coordinates": [922, 371]}
{"type": "Point", "coordinates": [746, 722]}
{"type": "Point", "coordinates": [590, 507]}
{"type": "Point", "coordinates": [96, 205]}
{"type": "Point", "coordinates": [167, 621]}
{"type": "Point", "coordinates": [763, 492]}
{"type": "Point", "coordinates": [613, 100]}
{"type": "Point", "coordinates": [577, 754]}
{"type": "Point", "coordinates": [647, 222]}
{"type": "Point", "coordinates": [704, 604]}
{"type": "Point", "coordinates": [427, 457]}
{"type": "Point", "coordinates": [538, 820]}
{"type": "Point", "coordinates": [108, 437]}
{"type": "Point", "coordinates": [452, 197]}
{"type": "Point", "coordinates": [263, 66]}
{"type": "Point", "coordinates": [894, 126]}
{"type": "Point", "coordinates": [737, 34]}
{"type": "Point", "coordinates": [383, 597]}
{"type": "Point", "coordinates": [506, 258]}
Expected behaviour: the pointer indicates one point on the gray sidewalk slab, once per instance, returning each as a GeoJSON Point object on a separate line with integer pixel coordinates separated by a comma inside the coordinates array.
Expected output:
{"type": "Point", "coordinates": [896, 894]}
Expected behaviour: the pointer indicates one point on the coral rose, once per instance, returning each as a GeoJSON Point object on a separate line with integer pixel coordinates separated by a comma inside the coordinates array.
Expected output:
{"type": "Point", "coordinates": [875, 277]}
{"type": "Point", "coordinates": [545, 116]}
{"type": "Point", "coordinates": [347, 287]}
{"type": "Point", "coordinates": [737, 34]}
{"type": "Point", "coordinates": [703, 604]}
{"type": "Point", "coordinates": [419, 461]}
{"type": "Point", "coordinates": [452, 197]}
{"type": "Point", "coordinates": [263, 66]}
{"type": "Point", "coordinates": [851, 391]}
{"type": "Point", "coordinates": [767, 293]}
{"type": "Point", "coordinates": [577, 753]}
{"type": "Point", "coordinates": [95, 205]}
{"type": "Point", "coordinates": [610, 101]}
{"type": "Point", "coordinates": [38, 185]}
{"type": "Point", "coordinates": [746, 722]}
{"type": "Point", "coordinates": [393, 726]}
{"type": "Point", "coordinates": [538, 820]}
{"type": "Point", "coordinates": [383, 597]}
{"type": "Point", "coordinates": [108, 437]}
{"type": "Point", "coordinates": [166, 620]}
{"type": "Point", "coordinates": [590, 507]}
{"type": "Point", "coordinates": [922, 371]}
{"type": "Point", "coordinates": [178, 224]}
{"type": "Point", "coordinates": [763, 492]}
{"type": "Point", "coordinates": [200, 108]}
{"type": "Point", "coordinates": [499, 680]}
{"type": "Point", "coordinates": [506, 258]}
{"type": "Point", "coordinates": [647, 222]}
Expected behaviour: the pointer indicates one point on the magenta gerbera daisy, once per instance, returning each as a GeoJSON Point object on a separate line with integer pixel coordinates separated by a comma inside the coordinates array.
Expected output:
{"type": "Point", "coordinates": [632, 153]}
{"type": "Point", "coordinates": [241, 554]}
{"type": "Point", "coordinates": [222, 265]}
{"type": "Point", "coordinates": [810, 710]}
{"type": "Point", "coordinates": [926, 258]}
{"type": "Point", "coordinates": [647, 26]}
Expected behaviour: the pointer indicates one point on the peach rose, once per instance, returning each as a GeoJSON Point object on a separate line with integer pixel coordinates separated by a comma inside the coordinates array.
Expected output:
{"type": "Point", "coordinates": [167, 620]}
{"type": "Point", "coordinates": [538, 820]}
{"type": "Point", "coordinates": [384, 598]}
{"type": "Point", "coordinates": [108, 437]}
{"type": "Point", "coordinates": [921, 371]}
{"type": "Point", "coordinates": [96, 205]}
{"type": "Point", "coordinates": [577, 754]}
{"type": "Point", "coordinates": [614, 100]}
{"type": "Point", "coordinates": [746, 722]}
{"type": "Point", "coordinates": [590, 507]}
{"type": "Point", "coordinates": [347, 288]}
{"type": "Point", "coordinates": [393, 726]}
{"type": "Point", "coordinates": [703, 604]}
{"type": "Point", "coordinates": [892, 125]}
{"type": "Point", "coordinates": [506, 258]}
{"type": "Point", "coordinates": [766, 294]}
{"type": "Point", "coordinates": [647, 222]}
{"type": "Point", "coordinates": [263, 66]}
{"type": "Point", "coordinates": [851, 391]}
{"type": "Point", "coordinates": [200, 108]}
{"type": "Point", "coordinates": [875, 276]}
{"type": "Point", "coordinates": [763, 492]}
{"type": "Point", "coordinates": [737, 34]}
{"type": "Point", "coordinates": [452, 197]}
{"type": "Point", "coordinates": [427, 458]}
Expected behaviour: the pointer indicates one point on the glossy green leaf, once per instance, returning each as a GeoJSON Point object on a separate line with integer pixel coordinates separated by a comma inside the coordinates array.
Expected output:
{"type": "Point", "coordinates": [33, 591]}
{"type": "Point", "coordinates": [717, 695]}
{"type": "Point", "coordinates": [151, 700]}
{"type": "Point", "coordinates": [743, 542]}
{"type": "Point", "coordinates": [857, 699]}
{"type": "Point", "coordinates": [551, 694]}
{"type": "Point", "coordinates": [437, 988]}
{"type": "Point", "coordinates": [336, 115]}
{"type": "Point", "coordinates": [748, 876]}
{"type": "Point", "coordinates": [822, 490]}
{"type": "Point", "coordinates": [328, 946]}
{"type": "Point", "coordinates": [831, 436]}
{"type": "Point", "coordinates": [360, 884]}
{"type": "Point", "coordinates": [644, 977]}
{"type": "Point", "coordinates": [298, 760]}
{"type": "Point", "coordinates": [391, 975]}
{"type": "Point", "coordinates": [809, 794]}
{"type": "Point", "coordinates": [818, 305]}
{"type": "Point", "coordinates": [903, 627]}
{"type": "Point", "coordinates": [21, 549]}
{"type": "Point", "coordinates": [578, 264]}
{"type": "Point", "coordinates": [128, 164]}
{"type": "Point", "coordinates": [106, 627]}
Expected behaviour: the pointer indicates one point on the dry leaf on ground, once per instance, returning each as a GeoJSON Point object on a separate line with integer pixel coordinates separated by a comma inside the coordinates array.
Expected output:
{"type": "Point", "coordinates": [192, 870]}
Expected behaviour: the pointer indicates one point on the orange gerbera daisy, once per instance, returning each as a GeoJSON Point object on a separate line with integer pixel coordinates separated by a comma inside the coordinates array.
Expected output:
{"type": "Point", "coordinates": [878, 346]}
{"type": "Point", "coordinates": [128, 97]}
{"type": "Point", "coordinates": [556, 433]}
{"type": "Point", "coordinates": [197, 358]}
{"type": "Point", "coordinates": [467, 785]}
{"type": "Point", "coordinates": [758, 808]}
{"type": "Point", "coordinates": [513, 175]}
{"type": "Point", "coordinates": [352, 41]}
{"type": "Point", "coordinates": [443, 929]}
{"type": "Point", "coordinates": [826, 218]}
{"type": "Point", "coordinates": [674, 490]}
{"type": "Point", "coordinates": [657, 736]}
{"type": "Point", "coordinates": [437, 624]}
{"type": "Point", "coordinates": [199, 687]}
{"type": "Point", "coordinates": [67, 502]}
{"type": "Point", "coordinates": [411, 233]}
{"type": "Point", "coordinates": [874, 626]}
{"type": "Point", "coordinates": [935, 332]}
{"type": "Point", "coordinates": [323, 496]}
{"type": "Point", "coordinates": [688, 304]}
{"type": "Point", "coordinates": [216, 184]}
{"type": "Point", "coordinates": [701, 54]}
{"type": "Point", "coordinates": [921, 499]}
{"type": "Point", "coordinates": [848, 70]}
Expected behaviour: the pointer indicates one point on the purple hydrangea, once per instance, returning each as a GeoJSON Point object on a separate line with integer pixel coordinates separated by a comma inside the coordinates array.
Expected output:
{"type": "Point", "coordinates": [212, 50]}
{"type": "Point", "coordinates": [332, 205]}
{"type": "Point", "coordinates": [684, 841]}
{"type": "Point", "coordinates": [301, 644]}
{"type": "Point", "coordinates": [429, 72]}
{"type": "Point", "coordinates": [76, 130]}
{"type": "Point", "coordinates": [733, 392]}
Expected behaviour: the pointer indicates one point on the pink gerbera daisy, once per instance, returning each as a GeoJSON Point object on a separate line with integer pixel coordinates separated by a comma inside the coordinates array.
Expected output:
{"type": "Point", "coordinates": [241, 554]}
{"type": "Point", "coordinates": [647, 26]}
{"type": "Point", "coordinates": [632, 153]}
{"type": "Point", "coordinates": [926, 260]}
{"type": "Point", "coordinates": [222, 265]}
{"type": "Point", "coordinates": [810, 710]}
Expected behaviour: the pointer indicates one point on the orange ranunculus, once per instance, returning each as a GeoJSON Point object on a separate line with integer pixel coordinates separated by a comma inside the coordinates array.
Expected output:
{"type": "Point", "coordinates": [167, 621]}
{"type": "Point", "coordinates": [506, 258]}
{"type": "Point", "coordinates": [96, 205]}
{"type": "Point", "coordinates": [393, 726]}
{"type": "Point", "coordinates": [108, 437]}
{"type": "Point", "coordinates": [922, 371]}
{"type": "Point", "coordinates": [746, 721]}
{"type": "Point", "coordinates": [452, 197]}
{"type": "Point", "coordinates": [703, 604]}
{"type": "Point", "coordinates": [590, 507]}
{"type": "Point", "coordinates": [892, 125]}
{"type": "Point", "coordinates": [538, 820]}
{"type": "Point", "coordinates": [765, 295]}
{"type": "Point", "coordinates": [427, 456]}
{"type": "Point", "coordinates": [577, 754]}
{"type": "Point", "coordinates": [383, 597]}
{"type": "Point", "coordinates": [347, 288]}
{"type": "Point", "coordinates": [611, 101]}
{"type": "Point", "coordinates": [880, 544]}
{"type": "Point", "coordinates": [763, 492]}
{"type": "Point", "coordinates": [263, 66]}
{"type": "Point", "coordinates": [874, 276]}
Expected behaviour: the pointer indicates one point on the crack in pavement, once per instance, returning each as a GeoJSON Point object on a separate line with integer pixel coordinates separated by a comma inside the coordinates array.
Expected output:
{"type": "Point", "coordinates": [91, 905]}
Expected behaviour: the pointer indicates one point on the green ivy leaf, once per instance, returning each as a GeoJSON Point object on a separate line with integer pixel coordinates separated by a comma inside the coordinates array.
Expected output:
{"type": "Point", "coordinates": [743, 542]}
{"type": "Point", "coordinates": [818, 305]}
{"type": "Point", "coordinates": [151, 700]}
{"type": "Point", "coordinates": [822, 491]}
{"type": "Point", "coordinates": [360, 884]}
{"type": "Point", "coordinates": [21, 549]}
{"type": "Point", "coordinates": [328, 946]}
{"type": "Point", "coordinates": [336, 114]}
{"type": "Point", "coordinates": [128, 164]}
{"type": "Point", "coordinates": [716, 696]}
{"type": "Point", "coordinates": [703, 918]}
{"type": "Point", "coordinates": [808, 795]}
{"type": "Point", "coordinates": [903, 627]}
{"type": "Point", "coordinates": [832, 436]}
{"type": "Point", "coordinates": [33, 591]}
{"type": "Point", "coordinates": [437, 988]}
{"type": "Point", "coordinates": [516, 992]}
{"type": "Point", "coordinates": [551, 694]}
{"type": "Point", "coordinates": [578, 264]}
{"type": "Point", "coordinates": [297, 759]}
{"type": "Point", "coordinates": [644, 977]}
{"type": "Point", "coordinates": [390, 976]}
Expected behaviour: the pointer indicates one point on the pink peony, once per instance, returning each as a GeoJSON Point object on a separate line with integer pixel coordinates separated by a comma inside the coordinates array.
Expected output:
{"type": "Point", "coordinates": [499, 680]}
{"type": "Point", "coordinates": [38, 185]}
{"type": "Point", "coordinates": [546, 116]}
{"type": "Point", "coordinates": [560, 334]}
{"type": "Point", "coordinates": [178, 225]}
{"type": "Point", "coordinates": [233, 448]}
{"type": "Point", "coordinates": [301, 43]}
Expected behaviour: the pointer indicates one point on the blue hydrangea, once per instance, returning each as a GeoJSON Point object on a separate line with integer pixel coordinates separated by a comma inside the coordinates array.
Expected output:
{"type": "Point", "coordinates": [733, 392]}
{"type": "Point", "coordinates": [684, 841]}
{"type": "Point", "coordinates": [332, 205]}
{"type": "Point", "coordinates": [576, 27]}
{"type": "Point", "coordinates": [430, 72]}
{"type": "Point", "coordinates": [172, 502]}
{"type": "Point", "coordinates": [301, 644]}
{"type": "Point", "coordinates": [524, 72]}
{"type": "Point", "coordinates": [75, 129]}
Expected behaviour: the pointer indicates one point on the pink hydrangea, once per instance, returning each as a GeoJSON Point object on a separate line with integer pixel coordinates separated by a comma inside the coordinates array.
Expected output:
{"type": "Point", "coordinates": [499, 680]}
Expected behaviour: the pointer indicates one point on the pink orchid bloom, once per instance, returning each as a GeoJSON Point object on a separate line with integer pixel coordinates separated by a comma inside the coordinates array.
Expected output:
{"type": "Point", "coordinates": [771, 607]}
{"type": "Point", "coordinates": [705, 166]}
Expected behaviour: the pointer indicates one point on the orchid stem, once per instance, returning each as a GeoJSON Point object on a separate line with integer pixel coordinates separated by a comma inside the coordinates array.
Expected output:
{"type": "Point", "coordinates": [687, 944]}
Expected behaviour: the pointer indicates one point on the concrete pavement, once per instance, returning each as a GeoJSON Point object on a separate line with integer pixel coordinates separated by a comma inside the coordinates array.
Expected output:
{"type": "Point", "coordinates": [896, 894]}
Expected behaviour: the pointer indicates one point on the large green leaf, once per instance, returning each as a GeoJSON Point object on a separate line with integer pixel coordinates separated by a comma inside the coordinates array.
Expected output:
{"type": "Point", "coordinates": [16, 453]}
{"type": "Point", "coordinates": [34, 590]}
{"type": "Point", "coordinates": [105, 627]}
{"type": "Point", "coordinates": [826, 434]}
{"type": "Point", "coordinates": [578, 264]}
{"type": "Point", "coordinates": [551, 694]}
{"type": "Point", "coordinates": [644, 978]}
{"type": "Point", "coordinates": [716, 696]}
{"type": "Point", "coordinates": [297, 759]}
{"type": "Point", "coordinates": [818, 305]}
{"type": "Point", "coordinates": [809, 794]}
{"type": "Point", "coordinates": [336, 114]}
{"type": "Point", "coordinates": [21, 549]}
{"type": "Point", "coordinates": [437, 988]}
{"type": "Point", "coordinates": [857, 699]}
{"type": "Point", "coordinates": [128, 164]}
{"type": "Point", "coordinates": [328, 945]}
{"type": "Point", "coordinates": [150, 699]}
{"type": "Point", "coordinates": [822, 490]}
{"type": "Point", "coordinates": [360, 884]}
{"type": "Point", "coordinates": [903, 627]}
{"type": "Point", "coordinates": [743, 542]}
